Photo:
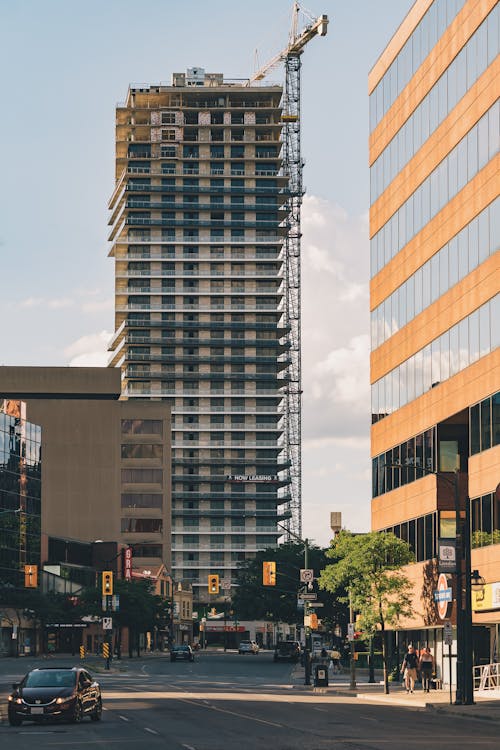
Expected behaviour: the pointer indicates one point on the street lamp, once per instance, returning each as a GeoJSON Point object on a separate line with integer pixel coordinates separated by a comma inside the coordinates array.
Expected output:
{"type": "Point", "coordinates": [307, 650]}
{"type": "Point", "coordinates": [465, 682]}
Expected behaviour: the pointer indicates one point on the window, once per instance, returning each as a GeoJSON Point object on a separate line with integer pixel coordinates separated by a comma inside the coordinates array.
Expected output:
{"type": "Point", "coordinates": [142, 450]}
{"type": "Point", "coordinates": [142, 427]}
{"type": "Point", "coordinates": [141, 500]}
{"type": "Point", "coordinates": [142, 476]}
{"type": "Point", "coordinates": [141, 525]}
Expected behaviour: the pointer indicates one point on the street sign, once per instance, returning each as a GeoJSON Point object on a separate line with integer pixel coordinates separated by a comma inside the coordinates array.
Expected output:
{"type": "Point", "coordinates": [107, 623]}
{"type": "Point", "coordinates": [225, 584]}
{"type": "Point", "coordinates": [307, 575]}
{"type": "Point", "coordinates": [445, 595]}
{"type": "Point", "coordinates": [308, 597]}
{"type": "Point", "coordinates": [448, 633]}
{"type": "Point", "coordinates": [447, 556]}
{"type": "Point", "coordinates": [442, 604]}
{"type": "Point", "coordinates": [315, 605]}
{"type": "Point", "coordinates": [350, 631]}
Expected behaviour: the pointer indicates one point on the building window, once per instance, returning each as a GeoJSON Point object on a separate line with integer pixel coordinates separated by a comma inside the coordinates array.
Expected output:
{"type": "Point", "coordinates": [142, 450]}
{"type": "Point", "coordinates": [142, 427]}
{"type": "Point", "coordinates": [141, 500]}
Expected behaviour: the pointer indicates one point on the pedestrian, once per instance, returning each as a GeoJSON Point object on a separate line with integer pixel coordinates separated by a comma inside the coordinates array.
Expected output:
{"type": "Point", "coordinates": [409, 669]}
{"type": "Point", "coordinates": [426, 666]}
{"type": "Point", "coordinates": [335, 660]}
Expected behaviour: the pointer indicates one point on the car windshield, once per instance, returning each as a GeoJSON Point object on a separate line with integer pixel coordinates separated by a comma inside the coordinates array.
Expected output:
{"type": "Point", "coordinates": [181, 648]}
{"type": "Point", "coordinates": [50, 678]}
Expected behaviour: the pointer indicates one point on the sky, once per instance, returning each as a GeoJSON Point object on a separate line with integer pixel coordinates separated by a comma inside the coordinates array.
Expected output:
{"type": "Point", "coordinates": [64, 64]}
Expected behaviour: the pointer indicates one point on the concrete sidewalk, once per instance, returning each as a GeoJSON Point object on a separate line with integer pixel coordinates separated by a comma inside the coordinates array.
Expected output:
{"type": "Point", "coordinates": [486, 703]}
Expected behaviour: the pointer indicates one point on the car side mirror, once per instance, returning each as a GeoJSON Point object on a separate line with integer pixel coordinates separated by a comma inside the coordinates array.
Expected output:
{"type": "Point", "coordinates": [87, 683]}
{"type": "Point", "coordinates": [15, 685]}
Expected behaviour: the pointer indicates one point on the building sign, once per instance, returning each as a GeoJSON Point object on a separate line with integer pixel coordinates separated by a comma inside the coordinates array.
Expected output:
{"type": "Point", "coordinates": [252, 477]}
{"type": "Point", "coordinates": [447, 556]}
{"type": "Point", "coordinates": [220, 628]}
{"type": "Point", "coordinates": [442, 596]}
{"type": "Point", "coordinates": [486, 599]}
{"type": "Point", "coordinates": [127, 563]}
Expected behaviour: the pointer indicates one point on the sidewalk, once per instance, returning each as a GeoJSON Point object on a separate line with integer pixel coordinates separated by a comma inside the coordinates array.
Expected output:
{"type": "Point", "coordinates": [486, 706]}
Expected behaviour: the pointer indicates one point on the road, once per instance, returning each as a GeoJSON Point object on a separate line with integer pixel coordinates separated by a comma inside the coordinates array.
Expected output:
{"type": "Point", "coordinates": [231, 702]}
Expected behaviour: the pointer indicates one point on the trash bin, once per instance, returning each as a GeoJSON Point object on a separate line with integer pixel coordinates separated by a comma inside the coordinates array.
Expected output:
{"type": "Point", "coordinates": [321, 675]}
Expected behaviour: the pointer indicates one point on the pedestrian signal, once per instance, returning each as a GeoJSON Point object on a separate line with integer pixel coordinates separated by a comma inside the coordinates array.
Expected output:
{"type": "Point", "coordinates": [213, 583]}
{"type": "Point", "coordinates": [107, 582]}
{"type": "Point", "coordinates": [269, 573]}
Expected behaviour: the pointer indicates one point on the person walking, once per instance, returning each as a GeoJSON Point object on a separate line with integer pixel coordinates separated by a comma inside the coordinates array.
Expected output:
{"type": "Point", "coordinates": [409, 669]}
{"type": "Point", "coordinates": [426, 666]}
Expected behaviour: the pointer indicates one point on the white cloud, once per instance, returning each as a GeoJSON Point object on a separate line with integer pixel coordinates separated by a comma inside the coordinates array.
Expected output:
{"type": "Point", "coordinates": [89, 351]}
{"type": "Point", "coordinates": [335, 322]}
{"type": "Point", "coordinates": [98, 306]}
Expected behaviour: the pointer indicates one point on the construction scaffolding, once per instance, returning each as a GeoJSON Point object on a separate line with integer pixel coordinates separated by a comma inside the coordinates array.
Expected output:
{"type": "Point", "coordinates": [292, 168]}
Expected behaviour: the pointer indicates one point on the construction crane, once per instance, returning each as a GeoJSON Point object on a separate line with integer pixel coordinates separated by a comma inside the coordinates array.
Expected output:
{"type": "Point", "coordinates": [292, 168]}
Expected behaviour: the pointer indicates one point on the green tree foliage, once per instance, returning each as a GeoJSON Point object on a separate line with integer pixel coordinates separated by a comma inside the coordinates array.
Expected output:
{"type": "Point", "coordinates": [254, 601]}
{"type": "Point", "coordinates": [369, 568]}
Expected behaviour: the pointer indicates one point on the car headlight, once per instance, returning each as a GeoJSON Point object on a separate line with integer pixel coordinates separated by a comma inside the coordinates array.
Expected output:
{"type": "Point", "coordinates": [64, 699]}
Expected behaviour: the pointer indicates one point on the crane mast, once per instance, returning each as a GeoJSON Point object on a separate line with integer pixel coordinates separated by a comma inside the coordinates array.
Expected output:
{"type": "Point", "coordinates": [292, 168]}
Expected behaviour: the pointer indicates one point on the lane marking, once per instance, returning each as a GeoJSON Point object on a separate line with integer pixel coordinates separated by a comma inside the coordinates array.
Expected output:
{"type": "Point", "coordinates": [188, 747]}
{"type": "Point", "coordinates": [124, 718]}
{"type": "Point", "coordinates": [151, 731]}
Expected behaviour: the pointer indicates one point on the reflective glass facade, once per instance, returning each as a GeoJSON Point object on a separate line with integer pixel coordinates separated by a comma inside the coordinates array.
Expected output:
{"type": "Point", "coordinates": [470, 63]}
{"type": "Point", "coordinates": [425, 35]}
{"type": "Point", "coordinates": [20, 493]}
{"type": "Point", "coordinates": [435, 292]}
{"type": "Point", "coordinates": [461, 165]}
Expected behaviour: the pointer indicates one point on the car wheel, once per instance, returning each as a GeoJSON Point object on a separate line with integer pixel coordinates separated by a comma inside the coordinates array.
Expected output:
{"type": "Point", "coordinates": [15, 721]}
{"type": "Point", "coordinates": [77, 713]}
{"type": "Point", "coordinates": [96, 714]}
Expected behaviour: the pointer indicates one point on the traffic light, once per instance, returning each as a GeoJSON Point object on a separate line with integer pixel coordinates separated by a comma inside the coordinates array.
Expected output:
{"type": "Point", "coordinates": [213, 583]}
{"type": "Point", "coordinates": [107, 582]}
{"type": "Point", "coordinates": [30, 576]}
{"type": "Point", "coordinates": [269, 573]}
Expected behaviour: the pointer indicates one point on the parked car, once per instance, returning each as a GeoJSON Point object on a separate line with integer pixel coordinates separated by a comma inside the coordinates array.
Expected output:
{"type": "Point", "coordinates": [55, 693]}
{"type": "Point", "coordinates": [248, 647]}
{"type": "Point", "coordinates": [287, 651]}
{"type": "Point", "coordinates": [183, 652]}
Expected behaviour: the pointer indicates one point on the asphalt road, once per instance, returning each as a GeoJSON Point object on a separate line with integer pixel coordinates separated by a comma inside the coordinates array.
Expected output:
{"type": "Point", "coordinates": [230, 702]}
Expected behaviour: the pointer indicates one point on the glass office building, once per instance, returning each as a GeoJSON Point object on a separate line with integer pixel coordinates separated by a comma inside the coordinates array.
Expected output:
{"type": "Point", "coordinates": [435, 285]}
{"type": "Point", "coordinates": [20, 493]}
{"type": "Point", "coordinates": [197, 236]}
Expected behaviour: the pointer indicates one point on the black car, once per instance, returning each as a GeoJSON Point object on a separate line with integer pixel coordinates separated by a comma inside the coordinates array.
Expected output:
{"type": "Point", "coordinates": [55, 693]}
{"type": "Point", "coordinates": [181, 652]}
{"type": "Point", "coordinates": [287, 651]}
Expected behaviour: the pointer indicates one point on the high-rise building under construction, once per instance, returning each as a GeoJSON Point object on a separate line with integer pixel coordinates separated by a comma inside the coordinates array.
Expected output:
{"type": "Point", "coordinates": [198, 220]}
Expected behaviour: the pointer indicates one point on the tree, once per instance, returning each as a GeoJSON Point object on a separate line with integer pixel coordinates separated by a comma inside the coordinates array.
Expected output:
{"type": "Point", "coordinates": [369, 567]}
{"type": "Point", "coordinates": [254, 601]}
{"type": "Point", "coordinates": [140, 609]}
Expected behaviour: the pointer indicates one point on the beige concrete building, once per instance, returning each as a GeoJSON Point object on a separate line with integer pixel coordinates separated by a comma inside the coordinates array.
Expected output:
{"type": "Point", "coordinates": [435, 296]}
{"type": "Point", "coordinates": [106, 462]}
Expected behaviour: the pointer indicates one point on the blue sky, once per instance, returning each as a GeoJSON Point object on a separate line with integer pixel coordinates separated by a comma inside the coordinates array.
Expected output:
{"type": "Point", "coordinates": [63, 66]}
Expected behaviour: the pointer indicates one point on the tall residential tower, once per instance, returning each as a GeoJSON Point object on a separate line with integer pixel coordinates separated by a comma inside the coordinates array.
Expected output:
{"type": "Point", "coordinates": [198, 227]}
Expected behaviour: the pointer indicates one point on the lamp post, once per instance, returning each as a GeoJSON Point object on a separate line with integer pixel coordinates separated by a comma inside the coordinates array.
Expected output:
{"type": "Point", "coordinates": [307, 650]}
{"type": "Point", "coordinates": [465, 683]}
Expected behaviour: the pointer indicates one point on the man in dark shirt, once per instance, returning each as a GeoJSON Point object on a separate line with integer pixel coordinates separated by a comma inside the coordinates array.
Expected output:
{"type": "Point", "coordinates": [409, 669]}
